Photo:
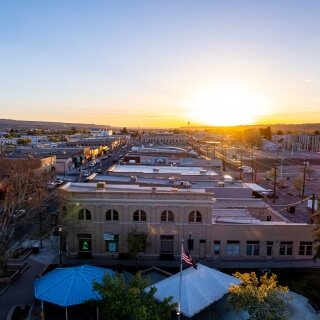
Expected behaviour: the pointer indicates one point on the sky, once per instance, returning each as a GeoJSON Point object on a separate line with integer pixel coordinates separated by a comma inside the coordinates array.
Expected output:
{"type": "Point", "coordinates": [168, 63]}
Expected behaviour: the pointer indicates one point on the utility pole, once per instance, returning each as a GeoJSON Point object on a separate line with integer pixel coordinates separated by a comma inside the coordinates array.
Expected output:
{"type": "Point", "coordinates": [274, 182]}
{"type": "Point", "coordinates": [305, 163]}
{"type": "Point", "coordinates": [312, 208]}
{"type": "Point", "coordinates": [252, 166]}
{"type": "Point", "coordinates": [240, 169]}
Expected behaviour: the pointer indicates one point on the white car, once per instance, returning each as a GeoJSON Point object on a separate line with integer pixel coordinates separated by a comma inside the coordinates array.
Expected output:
{"type": "Point", "coordinates": [86, 174]}
{"type": "Point", "coordinates": [91, 164]}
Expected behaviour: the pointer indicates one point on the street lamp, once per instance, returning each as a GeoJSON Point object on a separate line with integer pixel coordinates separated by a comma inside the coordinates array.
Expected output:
{"type": "Point", "coordinates": [60, 248]}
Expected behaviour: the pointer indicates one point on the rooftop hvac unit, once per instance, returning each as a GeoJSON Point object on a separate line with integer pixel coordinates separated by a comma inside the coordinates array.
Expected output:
{"type": "Point", "coordinates": [174, 189]}
{"type": "Point", "coordinates": [101, 185]}
{"type": "Point", "coordinates": [134, 178]}
{"type": "Point", "coordinates": [221, 184]}
{"type": "Point", "coordinates": [203, 171]}
{"type": "Point", "coordinates": [171, 180]}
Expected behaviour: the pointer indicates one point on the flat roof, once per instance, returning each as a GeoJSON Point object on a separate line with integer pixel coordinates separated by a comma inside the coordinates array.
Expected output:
{"type": "Point", "coordinates": [163, 169]}
{"type": "Point", "coordinates": [93, 187]}
{"type": "Point", "coordinates": [256, 187]}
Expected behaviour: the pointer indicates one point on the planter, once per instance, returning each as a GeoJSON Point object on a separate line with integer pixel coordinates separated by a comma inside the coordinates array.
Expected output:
{"type": "Point", "coordinates": [12, 276]}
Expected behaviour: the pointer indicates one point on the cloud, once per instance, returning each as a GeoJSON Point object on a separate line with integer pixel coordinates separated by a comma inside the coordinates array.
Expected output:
{"type": "Point", "coordinates": [309, 80]}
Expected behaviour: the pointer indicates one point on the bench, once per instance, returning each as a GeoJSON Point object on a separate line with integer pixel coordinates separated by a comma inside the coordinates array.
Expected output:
{"type": "Point", "coordinates": [314, 306]}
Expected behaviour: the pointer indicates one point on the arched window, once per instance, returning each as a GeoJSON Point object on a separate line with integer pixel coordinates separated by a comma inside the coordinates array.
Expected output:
{"type": "Point", "coordinates": [195, 216]}
{"type": "Point", "coordinates": [167, 216]}
{"type": "Point", "coordinates": [84, 214]}
{"type": "Point", "coordinates": [139, 215]}
{"type": "Point", "coordinates": [112, 215]}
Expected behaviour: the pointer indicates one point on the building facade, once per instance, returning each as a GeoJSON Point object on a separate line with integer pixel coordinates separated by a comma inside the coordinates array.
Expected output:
{"type": "Point", "coordinates": [97, 219]}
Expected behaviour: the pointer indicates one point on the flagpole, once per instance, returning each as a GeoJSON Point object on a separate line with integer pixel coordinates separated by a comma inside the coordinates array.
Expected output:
{"type": "Point", "coordinates": [179, 302]}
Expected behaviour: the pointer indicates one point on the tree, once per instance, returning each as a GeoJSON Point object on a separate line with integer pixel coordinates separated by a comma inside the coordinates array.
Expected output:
{"type": "Point", "coordinates": [134, 301]}
{"type": "Point", "coordinates": [266, 133]}
{"type": "Point", "coordinates": [298, 183]}
{"type": "Point", "coordinates": [22, 198]}
{"type": "Point", "coordinates": [272, 174]}
{"type": "Point", "coordinates": [252, 138]}
{"type": "Point", "coordinates": [310, 170]}
{"type": "Point", "coordinates": [54, 139]}
{"type": "Point", "coordinates": [137, 243]}
{"type": "Point", "coordinates": [24, 141]}
{"type": "Point", "coordinates": [263, 300]}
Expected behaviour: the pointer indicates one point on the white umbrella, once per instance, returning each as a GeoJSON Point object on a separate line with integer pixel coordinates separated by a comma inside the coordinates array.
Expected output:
{"type": "Point", "coordinates": [199, 288]}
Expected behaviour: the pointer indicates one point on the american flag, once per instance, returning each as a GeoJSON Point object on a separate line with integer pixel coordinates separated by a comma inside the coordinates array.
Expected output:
{"type": "Point", "coordinates": [187, 258]}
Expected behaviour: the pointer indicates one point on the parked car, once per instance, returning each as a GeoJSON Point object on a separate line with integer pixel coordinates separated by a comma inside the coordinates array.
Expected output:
{"type": "Point", "coordinates": [97, 161]}
{"type": "Point", "coordinates": [59, 182]}
{"type": "Point", "coordinates": [99, 171]}
{"type": "Point", "coordinates": [86, 174]}
{"type": "Point", "coordinates": [19, 213]}
{"type": "Point", "coordinates": [91, 164]}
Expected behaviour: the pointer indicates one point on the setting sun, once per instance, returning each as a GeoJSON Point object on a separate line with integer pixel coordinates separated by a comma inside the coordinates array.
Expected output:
{"type": "Point", "coordinates": [226, 106]}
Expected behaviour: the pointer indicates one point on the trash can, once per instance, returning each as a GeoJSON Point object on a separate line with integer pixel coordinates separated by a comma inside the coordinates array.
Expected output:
{"type": "Point", "coordinates": [35, 249]}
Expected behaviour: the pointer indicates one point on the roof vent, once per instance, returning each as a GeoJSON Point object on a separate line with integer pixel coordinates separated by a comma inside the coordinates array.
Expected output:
{"type": "Point", "coordinates": [101, 185]}
{"type": "Point", "coordinates": [203, 171]}
{"type": "Point", "coordinates": [155, 169]}
{"type": "Point", "coordinates": [134, 178]}
{"type": "Point", "coordinates": [171, 180]}
{"type": "Point", "coordinates": [174, 189]}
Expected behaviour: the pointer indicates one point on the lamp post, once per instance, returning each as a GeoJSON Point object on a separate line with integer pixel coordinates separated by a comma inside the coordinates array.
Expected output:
{"type": "Point", "coordinates": [60, 248]}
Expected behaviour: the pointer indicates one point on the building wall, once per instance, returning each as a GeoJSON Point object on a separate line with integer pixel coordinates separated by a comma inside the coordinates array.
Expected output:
{"type": "Point", "coordinates": [181, 204]}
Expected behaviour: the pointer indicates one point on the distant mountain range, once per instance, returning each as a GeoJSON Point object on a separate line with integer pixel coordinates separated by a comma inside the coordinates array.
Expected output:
{"type": "Point", "coordinates": [23, 124]}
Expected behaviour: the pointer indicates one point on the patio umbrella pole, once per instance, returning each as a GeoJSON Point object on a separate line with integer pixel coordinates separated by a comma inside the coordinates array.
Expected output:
{"type": "Point", "coordinates": [66, 313]}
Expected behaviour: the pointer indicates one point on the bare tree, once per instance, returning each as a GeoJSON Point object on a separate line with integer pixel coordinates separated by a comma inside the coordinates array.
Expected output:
{"type": "Point", "coordinates": [23, 197]}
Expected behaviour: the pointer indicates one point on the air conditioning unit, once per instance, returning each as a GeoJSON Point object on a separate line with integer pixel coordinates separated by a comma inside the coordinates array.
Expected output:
{"type": "Point", "coordinates": [101, 185]}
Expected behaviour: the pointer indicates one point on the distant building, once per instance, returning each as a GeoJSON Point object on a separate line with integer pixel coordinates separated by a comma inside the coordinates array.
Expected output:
{"type": "Point", "coordinates": [165, 138]}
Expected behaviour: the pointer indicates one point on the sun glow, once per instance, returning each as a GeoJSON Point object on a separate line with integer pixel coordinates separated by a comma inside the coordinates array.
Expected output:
{"type": "Point", "coordinates": [226, 106]}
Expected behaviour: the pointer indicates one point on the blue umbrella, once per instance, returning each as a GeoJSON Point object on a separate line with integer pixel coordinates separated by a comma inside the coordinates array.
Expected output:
{"type": "Point", "coordinates": [69, 286]}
